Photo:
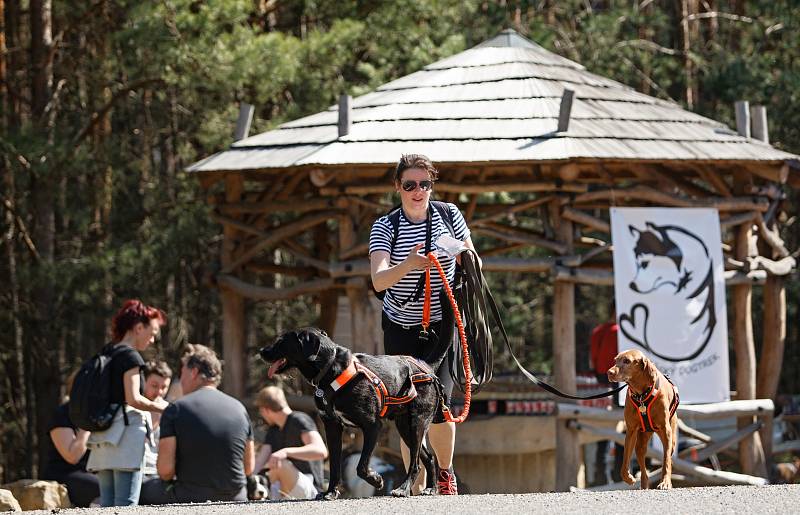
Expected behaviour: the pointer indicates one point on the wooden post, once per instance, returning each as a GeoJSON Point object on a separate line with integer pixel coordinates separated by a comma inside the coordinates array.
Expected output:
{"type": "Point", "coordinates": [773, 341]}
{"type": "Point", "coordinates": [742, 108]}
{"type": "Point", "coordinates": [750, 451]}
{"type": "Point", "coordinates": [565, 110]}
{"type": "Point", "coordinates": [243, 123]}
{"type": "Point", "coordinates": [234, 352]}
{"type": "Point", "coordinates": [329, 299]}
{"type": "Point", "coordinates": [758, 117]}
{"type": "Point", "coordinates": [567, 442]}
{"type": "Point", "coordinates": [345, 115]}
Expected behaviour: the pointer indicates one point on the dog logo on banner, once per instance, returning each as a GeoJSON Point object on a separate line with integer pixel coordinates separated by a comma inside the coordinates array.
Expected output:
{"type": "Point", "coordinates": [661, 264]}
{"type": "Point", "coordinates": [669, 293]}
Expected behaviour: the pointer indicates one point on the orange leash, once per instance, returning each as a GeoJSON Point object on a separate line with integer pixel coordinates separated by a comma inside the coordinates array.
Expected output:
{"type": "Point", "coordinates": [460, 324]}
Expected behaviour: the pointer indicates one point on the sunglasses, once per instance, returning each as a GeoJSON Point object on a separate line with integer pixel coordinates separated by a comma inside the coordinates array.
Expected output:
{"type": "Point", "coordinates": [409, 185]}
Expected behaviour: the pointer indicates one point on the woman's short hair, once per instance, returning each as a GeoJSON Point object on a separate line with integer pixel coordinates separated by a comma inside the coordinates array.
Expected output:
{"type": "Point", "coordinates": [271, 398]}
{"type": "Point", "coordinates": [133, 312]}
{"type": "Point", "coordinates": [159, 368]}
{"type": "Point", "coordinates": [409, 161]}
{"type": "Point", "coordinates": [203, 359]}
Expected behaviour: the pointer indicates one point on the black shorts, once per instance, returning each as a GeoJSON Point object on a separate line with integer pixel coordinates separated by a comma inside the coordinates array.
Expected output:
{"type": "Point", "coordinates": [400, 340]}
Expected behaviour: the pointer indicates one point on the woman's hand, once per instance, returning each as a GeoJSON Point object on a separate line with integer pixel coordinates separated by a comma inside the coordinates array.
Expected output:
{"type": "Point", "coordinates": [415, 260]}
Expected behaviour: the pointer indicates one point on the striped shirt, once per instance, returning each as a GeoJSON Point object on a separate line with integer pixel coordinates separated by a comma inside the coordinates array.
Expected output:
{"type": "Point", "coordinates": [410, 234]}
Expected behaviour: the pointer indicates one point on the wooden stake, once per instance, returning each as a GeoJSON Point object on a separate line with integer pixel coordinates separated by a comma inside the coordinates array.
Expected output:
{"type": "Point", "coordinates": [567, 440]}
{"type": "Point", "coordinates": [233, 306]}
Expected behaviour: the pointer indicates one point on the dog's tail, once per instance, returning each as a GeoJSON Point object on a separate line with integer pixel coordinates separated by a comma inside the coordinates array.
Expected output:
{"type": "Point", "coordinates": [443, 341]}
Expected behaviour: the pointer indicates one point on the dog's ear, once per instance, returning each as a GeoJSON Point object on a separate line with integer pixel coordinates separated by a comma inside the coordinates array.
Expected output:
{"type": "Point", "coordinates": [649, 369]}
{"type": "Point", "coordinates": [310, 343]}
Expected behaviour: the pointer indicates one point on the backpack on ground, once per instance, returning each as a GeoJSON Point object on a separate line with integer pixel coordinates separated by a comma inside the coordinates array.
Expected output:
{"type": "Point", "coordinates": [394, 220]}
{"type": "Point", "coordinates": [90, 406]}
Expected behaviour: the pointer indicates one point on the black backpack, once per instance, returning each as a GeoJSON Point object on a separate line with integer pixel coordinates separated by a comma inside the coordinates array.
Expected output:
{"type": "Point", "coordinates": [90, 406]}
{"type": "Point", "coordinates": [394, 220]}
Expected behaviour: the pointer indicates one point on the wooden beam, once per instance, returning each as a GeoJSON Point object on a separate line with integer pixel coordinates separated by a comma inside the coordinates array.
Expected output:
{"type": "Point", "coordinates": [233, 306]}
{"type": "Point", "coordinates": [502, 212]}
{"type": "Point", "coordinates": [647, 194]}
{"type": "Point", "coordinates": [280, 233]}
{"type": "Point", "coordinates": [733, 221]}
{"type": "Point", "coordinates": [567, 439]}
{"type": "Point", "coordinates": [781, 267]}
{"type": "Point", "coordinates": [296, 205]}
{"type": "Point", "coordinates": [771, 238]}
{"type": "Point", "coordinates": [256, 292]}
{"type": "Point", "coordinates": [772, 351]}
{"type": "Point", "coordinates": [715, 180]}
{"type": "Point", "coordinates": [585, 219]}
{"type": "Point", "coordinates": [517, 265]}
{"type": "Point", "coordinates": [510, 235]}
{"type": "Point", "coordinates": [743, 342]}
{"type": "Point", "coordinates": [454, 187]}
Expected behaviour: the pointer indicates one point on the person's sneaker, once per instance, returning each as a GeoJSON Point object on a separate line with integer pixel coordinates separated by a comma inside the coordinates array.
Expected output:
{"type": "Point", "coordinates": [446, 482]}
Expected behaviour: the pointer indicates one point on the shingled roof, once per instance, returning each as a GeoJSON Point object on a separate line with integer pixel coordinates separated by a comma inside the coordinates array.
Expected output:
{"type": "Point", "coordinates": [498, 101]}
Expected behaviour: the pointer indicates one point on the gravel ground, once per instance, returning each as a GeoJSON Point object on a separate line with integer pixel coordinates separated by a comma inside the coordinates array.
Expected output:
{"type": "Point", "coordinates": [781, 499]}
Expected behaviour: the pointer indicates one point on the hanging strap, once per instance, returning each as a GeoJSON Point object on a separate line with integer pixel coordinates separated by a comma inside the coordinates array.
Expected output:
{"type": "Point", "coordinates": [484, 299]}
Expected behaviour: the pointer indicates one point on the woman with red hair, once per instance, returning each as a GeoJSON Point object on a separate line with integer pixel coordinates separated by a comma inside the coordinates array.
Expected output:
{"type": "Point", "coordinates": [118, 452]}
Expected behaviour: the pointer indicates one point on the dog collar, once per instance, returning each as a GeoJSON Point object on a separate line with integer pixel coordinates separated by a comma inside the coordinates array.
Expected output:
{"type": "Point", "coordinates": [345, 377]}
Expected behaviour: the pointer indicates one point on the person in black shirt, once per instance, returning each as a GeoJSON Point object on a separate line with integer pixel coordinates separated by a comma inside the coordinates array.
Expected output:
{"type": "Point", "coordinates": [206, 446]}
{"type": "Point", "coordinates": [67, 457]}
{"type": "Point", "coordinates": [293, 449]}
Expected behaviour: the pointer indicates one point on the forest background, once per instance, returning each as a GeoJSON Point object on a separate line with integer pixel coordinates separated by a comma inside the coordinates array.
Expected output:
{"type": "Point", "coordinates": [103, 103]}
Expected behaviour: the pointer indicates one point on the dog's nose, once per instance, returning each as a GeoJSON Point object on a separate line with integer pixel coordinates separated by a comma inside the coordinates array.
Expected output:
{"type": "Point", "coordinates": [264, 352]}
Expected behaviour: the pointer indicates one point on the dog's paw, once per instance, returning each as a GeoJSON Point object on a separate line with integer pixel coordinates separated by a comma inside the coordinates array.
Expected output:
{"type": "Point", "coordinates": [428, 491]}
{"type": "Point", "coordinates": [627, 477]}
{"type": "Point", "coordinates": [401, 492]}
{"type": "Point", "coordinates": [665, 484]}
{"type": "Point", "coordinates": [330, 495]}
{"type": "Point", "coordinates": [376, 481]}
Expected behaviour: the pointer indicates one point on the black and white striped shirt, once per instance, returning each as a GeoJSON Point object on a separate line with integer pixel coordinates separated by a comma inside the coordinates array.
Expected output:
{"type": "Point", "coordinates": [410, 234]}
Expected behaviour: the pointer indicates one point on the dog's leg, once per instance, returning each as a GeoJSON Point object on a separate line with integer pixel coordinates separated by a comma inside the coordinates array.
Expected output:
{"type": "Point", "coordinates": [667, 436]}
{"type": "Point", "coordinates": [630, 442]}
{"type": "Point", "coordinates": [427, 461]}
{"type": "Point", "coordinates": [412, 434]}
{"type": "Point", "coordinates": [333, 433]}
{"type": "Point", "coordinates": [641, 453]}
{"type": "Point", "coordinates": [363, 470]}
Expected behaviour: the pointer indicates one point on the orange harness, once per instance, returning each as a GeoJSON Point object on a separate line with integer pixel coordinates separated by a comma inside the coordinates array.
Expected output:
{"type": "Point", "coordinates": [422, 373]}
{"type": "Point", "coordinates": [644, 401]}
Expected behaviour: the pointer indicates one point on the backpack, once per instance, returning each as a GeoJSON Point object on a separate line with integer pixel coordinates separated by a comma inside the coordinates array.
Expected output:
{"type": "Point", "coordinates": [90, 406]}
{"type": "Point", "coordinates": [394, 219]}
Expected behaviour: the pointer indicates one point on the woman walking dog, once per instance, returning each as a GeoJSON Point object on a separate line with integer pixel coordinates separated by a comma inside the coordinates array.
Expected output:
{"type": "Point", "coordinates": [397, 245]}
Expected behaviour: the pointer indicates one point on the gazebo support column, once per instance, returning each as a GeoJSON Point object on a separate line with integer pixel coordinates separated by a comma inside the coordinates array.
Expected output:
{"type": "Point", "coordinates": [233, 319]}
{"type": "Point", "coordinates": [751, 455]}
{"type": "Point", "coordinates": [567, 444]}
{"type": "Point", "coordinates": [774, 338]}
{"type": "Point", "coordinates": [328, 299]}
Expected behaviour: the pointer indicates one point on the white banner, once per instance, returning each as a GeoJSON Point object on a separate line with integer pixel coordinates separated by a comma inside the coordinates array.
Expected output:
{"type": "Point", "coordinates": [670, 295]}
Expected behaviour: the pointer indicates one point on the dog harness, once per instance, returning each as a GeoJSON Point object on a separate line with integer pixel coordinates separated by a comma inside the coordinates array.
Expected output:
{"type": "Point", "coordinates": [420, 373]}
{"type": "Point", "coordinates": [644, 401]}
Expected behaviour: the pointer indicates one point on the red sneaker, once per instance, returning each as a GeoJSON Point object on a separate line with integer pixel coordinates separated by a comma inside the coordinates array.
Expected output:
{"type": "Point", "coordinates": [446, 482]}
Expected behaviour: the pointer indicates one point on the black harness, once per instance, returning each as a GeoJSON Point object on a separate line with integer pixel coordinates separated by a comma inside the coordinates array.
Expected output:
{"type": "Point", "coordinates": [644, 400]}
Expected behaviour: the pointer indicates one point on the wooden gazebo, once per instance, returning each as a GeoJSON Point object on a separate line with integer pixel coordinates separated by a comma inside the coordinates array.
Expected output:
{"type": "Point", "coordinates": [504, 116]}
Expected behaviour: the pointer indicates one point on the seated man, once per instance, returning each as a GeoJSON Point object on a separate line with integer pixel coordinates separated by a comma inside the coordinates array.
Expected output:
{"type": "Point", "coordinates": [157, 377]}
{"type": "Point", "coordinates": [206, 449]}
{"type": "Point", "coordinates": [293, 448]}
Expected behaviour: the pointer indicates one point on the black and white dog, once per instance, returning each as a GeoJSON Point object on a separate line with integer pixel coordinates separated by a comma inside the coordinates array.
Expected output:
{"type": "Point", "coordinates": [675, 271]}
{"type": "Point", "coordinates": [359, 390]}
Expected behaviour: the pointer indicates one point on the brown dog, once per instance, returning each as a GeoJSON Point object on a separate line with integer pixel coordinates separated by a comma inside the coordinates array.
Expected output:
{"type": "Point", "coordinates": [649, 407]}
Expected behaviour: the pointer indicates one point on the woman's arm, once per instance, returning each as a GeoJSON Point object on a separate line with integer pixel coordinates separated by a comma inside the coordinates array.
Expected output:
{"type": "Point", "coordinates": [385, 276]}
{"type": "Point", "coordinates": [262, 457]}
{"type": "Point", "coordinates": [69, 444]}
{"type": "Point", "coordinates": [133, 396]}
{"type": "Point", "coordinates": [471, 246]}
